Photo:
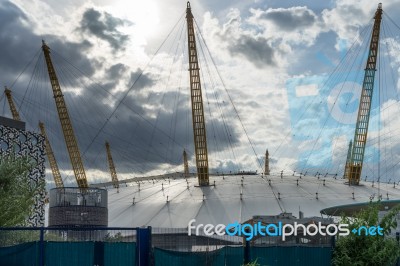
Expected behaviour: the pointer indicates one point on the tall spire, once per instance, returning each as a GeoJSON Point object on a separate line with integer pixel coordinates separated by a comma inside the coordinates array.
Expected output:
{"type": "Point", "coordinates": [111, 165]}
{"type": "Point", "coordinates": [353, 171]}
{"type": "Point", "coordinates": [199, 125]}
{"type": "Point", "coordinates": [66, 125]}
{"type": "Point", "coordinates": [185, 164]}
{"type": "Point", "coordinates": [13, 109]}
{"type": "Point", "coordinates": [52, 159]}
{"type": "Point", "coordinates": [266, 168]}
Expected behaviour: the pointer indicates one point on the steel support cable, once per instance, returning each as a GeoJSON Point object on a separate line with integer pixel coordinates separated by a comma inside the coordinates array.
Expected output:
{"type": "Point", "coordinates": [236, 112]}
{"type": "Point", "coordinates": [393, 85]}
{"type": "Point", "coordinates": [129, 90]}
{"type": "Point", "coordinates": [326, 120]}
{"type": "Point", "coordinates": [337, 125]}
{"type": "Point", "coordinates": [173, 123]}
{"type": "Point", "coordinates": [62, 76]}
{"type": "Point", "coordinates": [174, 58]}
{"type": "Point", "coordinates": [226, 130]}
{"type": "Point", "coordinates": [386, 127]}
{"type": "Point", "coordinates": [225, 127]}
{"type": "Point", "coordinates": [325, 83]}
{"type": "Point", "coordinates": [381, 111]}
{"type": "Point", "coordinates": [97, 114]}
{"type": "Point", "coordinates": [211, 120]}
{"type": "Point", "coordinates": [391, 20]}
{"type": "Point", "coordinates": [121, 101]}
{"type": "Point", "coordinates": [24, 69]}
{"type": "Point", "coordinates": [30, 82]}
{"type": "Point", "coordinates": [38, 105]}
{"type": "Point", "coordinates": [67, 74]}
{"type": "Point", "coordinates": [37, 93]}
{"type": "Point", "coordinates": [137, 166]}
{"type": "Point", "coordinates": [337, 128]}
{"type": "Point", "coordinates": [230, 99]}
{"type": "Point", "coordinates": [114, 97]}
{"type": "Point", "coordinates": [395, 91]}
{"type": "Point", "coordinates": [90, 87]}
{"type": "Point", "coordinates": [163, 94]}
{"type": "Point", "coordinates": [341, 68]}
{"type": "Point", "coordinates": [65, 81]}
{"type": "Point", "coordinates": [392, 75]}
{"type": "Point", "coordinates": [381, 94]}
{"type": "Point", "coordinates": [346, 74]}
{"type": "Point", "coordinates": [379, 104]}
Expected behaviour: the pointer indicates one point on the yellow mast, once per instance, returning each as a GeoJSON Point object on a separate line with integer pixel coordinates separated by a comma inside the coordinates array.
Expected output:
{"type": "Point", "coordinates": [49, 150]}
{"type": "Point", "coordinates": [69, 136]}
{"type": "Point", "coordinates": [52, 160]}
{"type": "Point", "coordinates": [353, 167]}
{"type": "Point", "coordinates": [113, 172]}
{"type": "Point", "coordinates": [199, 126]}
{"type": "Point", "coordinates": [13, 109]}
{"type": "Point", "coordinates": [185, 164]}
{"type": "Point", "coordinates": [266, 166]}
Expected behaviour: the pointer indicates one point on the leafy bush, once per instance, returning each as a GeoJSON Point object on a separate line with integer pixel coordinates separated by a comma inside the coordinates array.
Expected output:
{"type": "Point", "coordinates": [368, 250]}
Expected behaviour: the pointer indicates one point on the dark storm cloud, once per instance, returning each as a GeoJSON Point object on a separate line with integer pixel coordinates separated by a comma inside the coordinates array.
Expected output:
{"type": "Point", "coordinates": [72, 52]}
{"type": "Point", "coordinates": [148, 129]}
{"type": "Point", "coordinates": [105, 26]}
{"type": "Point", "coordinates": [139, 80]}
{"type": "Point", "coordinates": [256, 50]}
{"type": "Point", "coordinates": [290, 19]}
{"type": "Point", "coordinates": [143, 140]}
{"type": "Point", "coordinates": [19, 45]}
{"type": "Point", "coordinates": [116, 71]}
{"type": "Point", "coordinates": [16, 40]}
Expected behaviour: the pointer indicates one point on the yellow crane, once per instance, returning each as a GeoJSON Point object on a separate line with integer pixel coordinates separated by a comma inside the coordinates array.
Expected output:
{"type": "Point", "coordinates": [113, 172]}
{"type": "Point", "coordinates": [66, 125]}
{"type": "Point", "coordinates": [52, 160]}
{"type": "Point", "coordinates": [199, 125]}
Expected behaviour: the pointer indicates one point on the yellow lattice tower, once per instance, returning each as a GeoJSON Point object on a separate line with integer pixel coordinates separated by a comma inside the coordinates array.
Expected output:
{"type": "Point", "coordinates": [66, 125]}
{"type": "Point", "coordinates": [199, 126]}
{"type": "Point", "coordinates": [354, 167]}
{"type": "Point", "coordinates": [52, 160]}
{"type": "Point", "coordinates": [185, 164]}
{"type": "Point", "coordinates": [111, 165]}
{"type": "Point", "coordinates": [13, 109]}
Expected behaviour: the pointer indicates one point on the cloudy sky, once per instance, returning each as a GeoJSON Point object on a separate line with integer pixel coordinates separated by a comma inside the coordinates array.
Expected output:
{"type": "Point", "coordinates": [274, 77]}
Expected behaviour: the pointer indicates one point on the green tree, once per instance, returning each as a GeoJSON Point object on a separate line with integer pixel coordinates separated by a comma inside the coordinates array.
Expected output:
{"type": "Point", "coordinates": [368, 250]}
{"type": "Point", "coordinates": [17, 191]}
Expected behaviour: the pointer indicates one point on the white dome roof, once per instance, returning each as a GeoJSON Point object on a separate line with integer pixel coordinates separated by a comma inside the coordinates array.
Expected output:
{"type": "Point", "coordinates": [229, 201]}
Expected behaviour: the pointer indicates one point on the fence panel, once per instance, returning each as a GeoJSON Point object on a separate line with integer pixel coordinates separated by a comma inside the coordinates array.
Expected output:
{"type": "Point", "coordinates": [69, 253]}
{"type": "Point", "coordinates": [20, 254]}
{"type": "Point", "coordinates": [294, 255]}
{"type": "Point", "coordinates": [19, 247]}
{"type": "Point", "coordinates": [119, 253]}
{"type": "Point", "coordinates": [67, 246]}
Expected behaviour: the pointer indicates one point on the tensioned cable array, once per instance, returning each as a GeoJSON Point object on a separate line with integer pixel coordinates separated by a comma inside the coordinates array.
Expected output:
{"type": "Point", "coordinates": [145, 140]}
{"type": "Point", "coordinates": [380, 141]}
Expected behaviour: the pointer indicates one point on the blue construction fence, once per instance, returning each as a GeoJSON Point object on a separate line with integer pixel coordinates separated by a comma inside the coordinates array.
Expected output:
{"type": "Point", "coordinates": [141, 247]}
